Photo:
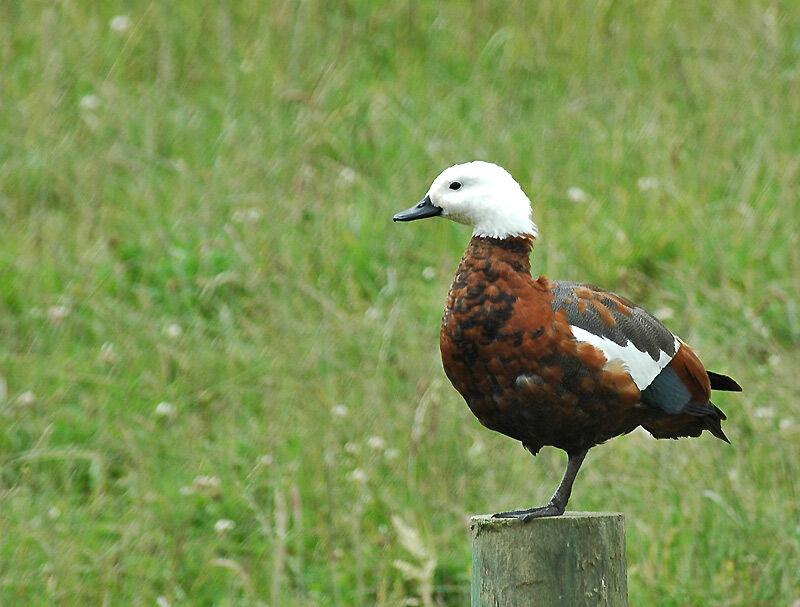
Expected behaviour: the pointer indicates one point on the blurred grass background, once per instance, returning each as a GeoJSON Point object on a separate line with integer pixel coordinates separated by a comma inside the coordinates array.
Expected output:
{"type": "Point", "coordinates": [220, 379]}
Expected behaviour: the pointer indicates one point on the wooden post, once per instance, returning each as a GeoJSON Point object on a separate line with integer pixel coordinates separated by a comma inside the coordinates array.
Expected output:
{"type": "Point", "coordinates": [577, 559]}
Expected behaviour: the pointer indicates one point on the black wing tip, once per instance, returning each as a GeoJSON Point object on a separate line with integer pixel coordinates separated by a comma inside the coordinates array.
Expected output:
{"type": "Point", "coordinates": [723, 382]}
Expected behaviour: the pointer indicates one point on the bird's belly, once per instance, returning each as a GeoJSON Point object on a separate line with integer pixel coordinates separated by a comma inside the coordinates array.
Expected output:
{"type": "Point", "coordinates": [544, 395]}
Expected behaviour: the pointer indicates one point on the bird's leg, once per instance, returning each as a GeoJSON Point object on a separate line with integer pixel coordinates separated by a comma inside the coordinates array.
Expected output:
{"type": "Point", "coordinates": [558, 502]}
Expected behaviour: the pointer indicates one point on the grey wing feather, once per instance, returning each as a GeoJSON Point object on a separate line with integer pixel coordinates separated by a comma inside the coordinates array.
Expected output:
{"type": "Point", "coordinates": [586, 307]}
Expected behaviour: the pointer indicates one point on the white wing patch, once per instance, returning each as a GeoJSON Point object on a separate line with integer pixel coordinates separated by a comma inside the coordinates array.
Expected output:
{"type": "Point", "coordinates": [642, 368]}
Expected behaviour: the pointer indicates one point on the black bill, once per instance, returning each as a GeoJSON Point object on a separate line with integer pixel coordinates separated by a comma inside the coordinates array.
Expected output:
{"type": "Point", "coordinates": [424, 208]}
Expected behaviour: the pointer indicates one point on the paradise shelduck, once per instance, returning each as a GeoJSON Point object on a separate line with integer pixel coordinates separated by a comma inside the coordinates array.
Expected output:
{"type": "Point", "coordinates": [547, 362]}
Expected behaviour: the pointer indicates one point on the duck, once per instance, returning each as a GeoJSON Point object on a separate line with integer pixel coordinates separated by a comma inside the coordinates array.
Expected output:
{"type": "Point", "coordinates": [549, 362]}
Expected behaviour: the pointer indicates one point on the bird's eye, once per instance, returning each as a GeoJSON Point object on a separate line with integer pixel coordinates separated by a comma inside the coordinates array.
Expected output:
{"type": "Point", "coordinates": [455, 185]}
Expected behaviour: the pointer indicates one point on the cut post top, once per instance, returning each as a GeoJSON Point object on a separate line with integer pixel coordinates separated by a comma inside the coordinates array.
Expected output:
{"type": "Point", "coordinates": [487, 520]}
{"type": "Point", "coordinates": [567, 514]}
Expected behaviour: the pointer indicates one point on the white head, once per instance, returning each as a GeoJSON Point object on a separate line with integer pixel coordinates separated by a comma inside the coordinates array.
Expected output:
{"type": "Point", "coordinates": [480, 194]}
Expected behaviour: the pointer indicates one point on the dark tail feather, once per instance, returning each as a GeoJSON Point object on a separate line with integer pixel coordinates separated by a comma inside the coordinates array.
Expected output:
{"type": "Point", "coordinates": [713, 423]}
{"type": "Point", "coordinates": [723, 382]}
{"type": "Point", "coordinates": [711, 415]}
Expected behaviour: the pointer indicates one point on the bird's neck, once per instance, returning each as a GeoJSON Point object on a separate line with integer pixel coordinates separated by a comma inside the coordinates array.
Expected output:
{"type": "Point", "coordinates": [513, 251]}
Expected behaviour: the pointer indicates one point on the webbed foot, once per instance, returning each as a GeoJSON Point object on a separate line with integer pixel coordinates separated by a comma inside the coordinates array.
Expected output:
{"type": "Point", "coordinates": [531, 513]}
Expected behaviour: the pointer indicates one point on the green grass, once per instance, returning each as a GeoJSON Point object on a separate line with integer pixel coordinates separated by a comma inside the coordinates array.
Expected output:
{"type": "Point", "coordinates": [230, 169]}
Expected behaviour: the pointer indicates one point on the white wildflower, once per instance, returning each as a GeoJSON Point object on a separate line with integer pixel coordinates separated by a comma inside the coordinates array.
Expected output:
{"type": "Point", "coordinates": [265, 460]}
{"type": "Point", "coordinates": [428, 273]}
{"type": "Point", "coordinates": [173, 331]}
{"type": "Point", "coordinates": [647, 183]}
{"type": "Point", "coordinates": [165, 409]}
{"type": "Point", "coordinates": [340, 411]}
{"type": "Point", "coordinates": [576, 194]}
{"type": "Point", "coordinates": [376, 442]}
{"type": "Point", "coordinates": [391, 453]}
{"type": "Point", "coordinates": [477, 449]}
{"type": "Point", "coordinates": [358, 476]}
{"type": "Point", "coordinates": [120, 24]}
{"type": "Point", "coordinates": [224, 525]}
{"type": "Point", "coordinates": [26, 399]}
{"type": "Point", "coordinates": [56, 314]}
{"type": "Point", "coordinates": [89, 102]}
{"type": "Point", "coordinates": [348, 175]}
{"type": "Point", "coordinates": [162, 601]}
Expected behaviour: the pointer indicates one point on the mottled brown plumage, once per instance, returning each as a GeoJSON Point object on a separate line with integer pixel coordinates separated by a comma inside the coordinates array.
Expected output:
{"type": "Point", "coordinates": [512, 358]}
